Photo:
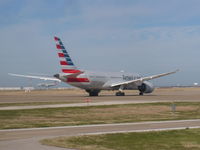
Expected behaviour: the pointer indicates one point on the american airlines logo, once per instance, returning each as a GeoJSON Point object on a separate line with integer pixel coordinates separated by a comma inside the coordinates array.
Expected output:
{"type": "Point", "coordinates": [128, 78]}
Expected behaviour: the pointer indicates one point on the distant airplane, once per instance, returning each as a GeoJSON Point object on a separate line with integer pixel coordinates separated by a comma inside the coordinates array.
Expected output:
{"type": "Point", "coordinates": [93, 82]}
{"type": "Point", "coordinates": [47, 85]}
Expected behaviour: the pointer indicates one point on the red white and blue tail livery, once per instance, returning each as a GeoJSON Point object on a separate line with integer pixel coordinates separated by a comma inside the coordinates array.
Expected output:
{"type": "Point", "coordinates": [70, 73]}
{"type": "Point", "coordinates": [65, 60]}
{"type": "Point", "coordinates": [93, 82]}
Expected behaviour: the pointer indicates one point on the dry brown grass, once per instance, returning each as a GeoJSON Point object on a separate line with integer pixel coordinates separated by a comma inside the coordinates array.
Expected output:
{"type": "Point", "coordinates": [97, 115]}
{"type": "Point", "coordinates": [164, 140]}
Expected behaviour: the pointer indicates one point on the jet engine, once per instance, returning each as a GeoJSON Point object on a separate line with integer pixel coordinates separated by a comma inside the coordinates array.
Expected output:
{"type": "Point", "coordinates": [146, 87]}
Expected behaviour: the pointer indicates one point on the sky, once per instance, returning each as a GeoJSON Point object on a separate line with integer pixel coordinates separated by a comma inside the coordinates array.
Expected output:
{"type": "Point", "coordinates": [143, 36]}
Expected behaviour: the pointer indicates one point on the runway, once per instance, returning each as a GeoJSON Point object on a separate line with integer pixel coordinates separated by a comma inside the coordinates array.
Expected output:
{"type": "Point", "coordinates": [19, 139]}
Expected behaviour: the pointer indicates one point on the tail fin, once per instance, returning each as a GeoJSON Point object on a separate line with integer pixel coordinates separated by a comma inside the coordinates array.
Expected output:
{"type": "Point", "coordinates": [65, 60]}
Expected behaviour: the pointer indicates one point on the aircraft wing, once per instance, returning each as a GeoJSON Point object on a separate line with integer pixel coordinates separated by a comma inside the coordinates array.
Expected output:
{"type": "Point", "coordinates": [140, 80]}
{"type": "Point", "coordinates": [36, 77]}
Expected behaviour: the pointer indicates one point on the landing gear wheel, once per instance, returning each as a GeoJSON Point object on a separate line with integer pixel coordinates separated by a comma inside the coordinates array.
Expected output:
{"type": "Point", "coordinates": [120, 94]}
{"type": "Point", "coordinates": [93, 92]}
{"type": "Point", "coordinates": [141, 93]}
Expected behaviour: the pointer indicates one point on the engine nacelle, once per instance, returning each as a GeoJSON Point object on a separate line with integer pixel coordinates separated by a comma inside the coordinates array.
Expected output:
{"type": "Point", "coordinates": [146, 87]}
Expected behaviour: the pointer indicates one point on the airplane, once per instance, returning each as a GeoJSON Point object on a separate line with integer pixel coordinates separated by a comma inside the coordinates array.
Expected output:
{"type": "Point", "coordinates": [47, 85]}
{"type": "Point", "coordinates": [93, 82]}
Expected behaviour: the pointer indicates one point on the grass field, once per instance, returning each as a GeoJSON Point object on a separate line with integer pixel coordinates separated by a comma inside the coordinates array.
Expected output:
{"type": "Point", "coordinates": [97, 115]}
{"type": "Point", "coordinates": [188, 139]}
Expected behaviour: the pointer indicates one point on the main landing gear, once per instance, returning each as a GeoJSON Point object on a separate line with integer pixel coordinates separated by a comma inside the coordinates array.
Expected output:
{"type": "Point", "coordinates": [93, 92]}
{"type": "Point", "coordinates": [142, 88]}
{"type": "Point", "coordinates": [119, 93]}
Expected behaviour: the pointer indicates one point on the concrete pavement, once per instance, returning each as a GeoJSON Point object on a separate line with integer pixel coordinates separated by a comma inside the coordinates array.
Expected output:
{"type": "Point", "coordinates": [21, 139]}
{"type": "Point", "coordinates": [89, 104]}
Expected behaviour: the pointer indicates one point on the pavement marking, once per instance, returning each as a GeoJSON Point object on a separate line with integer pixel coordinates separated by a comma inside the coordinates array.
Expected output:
{"type": "Point", "coordinates": [147, 130]}
{"type": "Point", "coordinates": [100, 125]}
{"type": "Point", "coordinates": [88, 104]}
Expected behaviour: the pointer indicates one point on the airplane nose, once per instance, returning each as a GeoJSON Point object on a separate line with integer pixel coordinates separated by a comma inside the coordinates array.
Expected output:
{"type": "Point", "coordinates": [57, 76]}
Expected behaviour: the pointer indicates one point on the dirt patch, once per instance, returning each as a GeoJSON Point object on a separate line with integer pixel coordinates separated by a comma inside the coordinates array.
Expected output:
{"type": "Point", "coordinates": [191, 145]}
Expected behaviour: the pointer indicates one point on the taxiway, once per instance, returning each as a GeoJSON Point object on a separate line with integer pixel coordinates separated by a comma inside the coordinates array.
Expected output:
{"type": "Point", "coordinates": [19, 139]}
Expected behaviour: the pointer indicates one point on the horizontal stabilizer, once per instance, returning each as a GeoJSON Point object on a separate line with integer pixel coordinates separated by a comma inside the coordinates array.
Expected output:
{"type": "Point", "coordinates": [36, 77]}
{"type": "Point", "coordinates": [73, 74]}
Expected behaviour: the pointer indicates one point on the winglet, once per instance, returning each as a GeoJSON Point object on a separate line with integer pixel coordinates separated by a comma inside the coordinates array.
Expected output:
{"type": "Point", "coordinates": [177, 70]}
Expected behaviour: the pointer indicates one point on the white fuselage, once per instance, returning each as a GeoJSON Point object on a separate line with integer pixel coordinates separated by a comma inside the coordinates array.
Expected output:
{"type": "Point", "coordinates": [100, 80]}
